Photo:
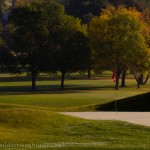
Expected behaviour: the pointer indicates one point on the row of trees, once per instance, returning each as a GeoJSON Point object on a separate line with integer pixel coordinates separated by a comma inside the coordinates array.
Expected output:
{"type": "Point", "coordinates": [83, 9]}
{"type": "Point", "coordinates": [41, 37]}
{"type": "Point", "coordinates": [87, 9]}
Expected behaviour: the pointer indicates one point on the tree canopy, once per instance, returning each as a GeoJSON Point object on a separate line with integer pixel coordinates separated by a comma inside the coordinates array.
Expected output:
{"type": "Point", "coordinates": [44, 38]}
{"type": "Point", "coordinates": [72, 49]}
{"type": "Point", "coordinates": [41, 30]}
{"type": "Point", "coordinates": [29, 32]}
{"type": "Point", "coordinates": [87, 9]}
{"type": "Point", "coordinates": [117, 35]}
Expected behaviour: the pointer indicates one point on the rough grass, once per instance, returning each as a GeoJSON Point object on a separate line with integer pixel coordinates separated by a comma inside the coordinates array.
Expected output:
{"type": "Point", "coordinates": [28, 125]}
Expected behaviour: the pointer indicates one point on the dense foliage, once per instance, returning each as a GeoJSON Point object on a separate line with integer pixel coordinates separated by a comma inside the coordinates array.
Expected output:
{"type": "Point", "coordinates": [117, 35]}
{"type": "Point", "coordinates": [44, 30]}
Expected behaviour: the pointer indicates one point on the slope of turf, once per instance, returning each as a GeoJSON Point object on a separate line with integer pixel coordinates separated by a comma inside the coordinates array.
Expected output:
{"type": "Point", "coordinates": [28, 125]}
{"type": "Point", "coordinates": [134, 103]}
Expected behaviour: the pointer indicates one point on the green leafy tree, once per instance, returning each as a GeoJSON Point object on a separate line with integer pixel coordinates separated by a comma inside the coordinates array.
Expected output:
{"type": "Point", "coordinates": [1, 30]}
{"type": "Point", "coordinates": [71, 47]}
{"type": "Point", "coordinates": [87, 9]}
{"type": "Point", "coordinates": [29, 37]}
{"type": "Point", "coordinates": [142, 68]}
{"type": "Point", "coordinates": [117, 37]}
{"type": "Point", "coordinates": [1, 44]}
{"type": "Point", "coordinates": [139, 70]}
{"type": "Point", "coordinates": [5, 55]}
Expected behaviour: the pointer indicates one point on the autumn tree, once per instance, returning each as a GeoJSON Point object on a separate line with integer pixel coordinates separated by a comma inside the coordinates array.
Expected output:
{"type": "Point", "coordinates": [87, 9]}
{"type": "Point", "coordinates": [141, 70]}
{"type": "Point", "coordinates": [117, 39]}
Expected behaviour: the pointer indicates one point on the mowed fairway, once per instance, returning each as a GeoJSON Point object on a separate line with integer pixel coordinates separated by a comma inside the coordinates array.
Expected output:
{"type": "Point", "coordinates": [77, 93]}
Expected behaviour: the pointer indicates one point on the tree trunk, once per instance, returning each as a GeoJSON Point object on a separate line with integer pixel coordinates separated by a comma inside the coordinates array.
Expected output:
{"type": "Point", "coordinates": [123, 84]}
{"type": "Point", "coordinates": [141, 79]}
{"type": "Point", "coordinates": [89, 72]}
{"type": "Point", "coordinates": [136, 78]}
{"type": "Point", "coordinates": [62, 80]}
{"type": "Point", "coordinates": [139, 82]}
{"type": "Point", "coordinates": [146, 79]}
{"type": "Point", "coordinates": [33, 80]}
{"type": "Point", "coordinates": [1, 14]}
{"type": "Point", "coordinates": [117, 81]}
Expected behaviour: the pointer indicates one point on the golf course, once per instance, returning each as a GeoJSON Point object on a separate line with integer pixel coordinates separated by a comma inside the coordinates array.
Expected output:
{"type": "Point", "coordinates": [32, 120]}
{"type": "Point", "coordinates": [74, 75]}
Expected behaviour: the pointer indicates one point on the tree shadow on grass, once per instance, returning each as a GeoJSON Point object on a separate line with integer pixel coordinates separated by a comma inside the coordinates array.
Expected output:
{"type": "Point", "coordinates": [138, 103]}
{"type": "Point", "coordinates": [49, 89]}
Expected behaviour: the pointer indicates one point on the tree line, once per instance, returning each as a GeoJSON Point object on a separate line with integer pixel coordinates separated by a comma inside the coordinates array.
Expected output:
{"type": "Point", "coordinates": [45, 36]}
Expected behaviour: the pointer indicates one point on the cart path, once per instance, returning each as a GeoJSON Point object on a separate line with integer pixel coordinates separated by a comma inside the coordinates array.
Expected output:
{"type": "Point", "coordinates": [142, 118]}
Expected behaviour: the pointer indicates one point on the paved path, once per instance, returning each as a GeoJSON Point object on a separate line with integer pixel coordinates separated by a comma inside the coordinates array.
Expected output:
{"type": "Point", "coordinates": [142, 118]}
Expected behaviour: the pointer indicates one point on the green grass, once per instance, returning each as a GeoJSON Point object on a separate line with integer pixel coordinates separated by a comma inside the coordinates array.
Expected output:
{"type": "Point", "coordinates": [78, 94]}
{"type": "Point", "coordinates": [134, 103]}
{"type": "Point", "coordinates": [28, 125]}
{"type": "Point", "coordinates": [26, 117]}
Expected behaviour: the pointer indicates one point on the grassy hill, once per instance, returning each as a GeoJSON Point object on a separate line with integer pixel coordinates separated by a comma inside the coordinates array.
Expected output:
{"type": "Point", "coordinates": [29, 125]}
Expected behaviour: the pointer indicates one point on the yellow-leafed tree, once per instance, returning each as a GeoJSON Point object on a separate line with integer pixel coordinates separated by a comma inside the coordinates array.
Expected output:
{"type": "Point", "coordinates": [118, 39]}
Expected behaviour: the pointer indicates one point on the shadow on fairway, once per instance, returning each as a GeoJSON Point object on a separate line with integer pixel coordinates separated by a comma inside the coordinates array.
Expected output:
{"type": "Point", "coordinates": [49, 89]}
{"type": "Point", "coordinates": [136, 103]}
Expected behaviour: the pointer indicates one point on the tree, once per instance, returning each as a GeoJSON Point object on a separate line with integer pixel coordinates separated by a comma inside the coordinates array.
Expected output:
{"type": "Point", "coordinates": [71, 50]}
{"type": "Point", "coordinates": [138, 4]}
{"type": "Point", "coordinates": [1, 30]}
{"type": "Point", "coordinates": [142, 67]}
{"type": "Point", "coordinates": [116, 37]}
{"type": "Point", "coordinates": [1, 44]}
{"type": "Point", "coordinates": [7, 5]}
{"type": "Point", "coordinates": [87, 9]}
{"type": "Point", "coordinates": [5, 55]}
{"type": "Point", "coordinates": [139, 69]}
{"type": "Point", "coordinates": [29, 32]}
{"type": "Point", "coordinates": [142, 70]}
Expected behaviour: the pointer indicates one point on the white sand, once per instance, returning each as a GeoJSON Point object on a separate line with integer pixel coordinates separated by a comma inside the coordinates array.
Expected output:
{"type": "Point", "coordinates": [142, 118]}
